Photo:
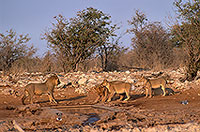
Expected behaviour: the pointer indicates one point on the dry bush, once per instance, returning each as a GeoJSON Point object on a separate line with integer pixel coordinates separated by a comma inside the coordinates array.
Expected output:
{"type": "Point", "coordinates": [179, 58]}
{"type": "Point", "coordinates": [152, 47]}
{"type": "Point", "coordinates": [151, 43]}
{"type": "Point", "coordinates": [92, 64]}
{"type": "Point", "coordinates": [25, 64]}
{"type": "Point", "coordinates": [126, 61]}
{"type": "Point", "coordinates": [47, 63]}
{"type": "Point", "coordinates": [130, 60]}
{"type": "Point", "coordinates": [13, 48]}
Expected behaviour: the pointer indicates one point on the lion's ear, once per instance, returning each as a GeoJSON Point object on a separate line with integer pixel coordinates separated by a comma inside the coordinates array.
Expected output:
{"type": "Point", "coordinates": [105, 80]}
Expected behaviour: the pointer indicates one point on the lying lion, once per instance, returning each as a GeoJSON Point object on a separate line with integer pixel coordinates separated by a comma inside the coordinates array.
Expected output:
{"type": "Point", "coordinates": [118, 87]}
{"type": "Point", "coordinates": [41, 88]}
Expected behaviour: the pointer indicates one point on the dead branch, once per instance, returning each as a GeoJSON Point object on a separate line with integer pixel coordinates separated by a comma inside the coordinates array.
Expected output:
{"type": "Point", "coordinates": [16, 126]}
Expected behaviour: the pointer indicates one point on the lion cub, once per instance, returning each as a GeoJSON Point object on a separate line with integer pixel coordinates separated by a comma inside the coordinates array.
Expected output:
{"type": "Point", "coordinates": [41, 88]}
{"type": "Point", "coordinates": [117, 87]}
{"type": "Point", "coordinates": [153, 83]}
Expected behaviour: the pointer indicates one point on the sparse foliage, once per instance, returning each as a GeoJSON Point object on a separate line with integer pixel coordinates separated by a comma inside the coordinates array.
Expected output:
{"type": "Point", "coordinates": [150, 43]}
{"type": "Point", "coordinates": [187, 34]}
{"type": "Point", "coordinates": [48, 62]}
{"type": "Point", "coordinates": [109, 55]}
{"type": "Point", "coordinates": [13, 47]}
{"type": "Point", "coordinates": [77, 39]}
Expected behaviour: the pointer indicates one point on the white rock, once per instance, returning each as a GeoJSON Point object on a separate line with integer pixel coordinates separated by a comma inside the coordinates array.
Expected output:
{"type": "Point", "coordinates": [35, 81]}
{"type": "Point", "coordinates": [130, 80]}
{"type": "Point", "coordinates": [91, 80]}
{"type": "Point", "coordinates": [64, 80]}
{"type": "Point", "coordinates": [82, 81]}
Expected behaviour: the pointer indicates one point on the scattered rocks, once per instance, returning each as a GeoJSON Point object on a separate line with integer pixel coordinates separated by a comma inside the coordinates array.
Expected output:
{"type": "Point", "coordinates": [33, 117]}
{"type": "Point", "coordinates": [83, 81]}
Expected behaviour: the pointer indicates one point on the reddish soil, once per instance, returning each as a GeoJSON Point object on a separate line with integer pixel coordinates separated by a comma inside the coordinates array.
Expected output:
{"type": "Point", "coordinates": [138, 112]}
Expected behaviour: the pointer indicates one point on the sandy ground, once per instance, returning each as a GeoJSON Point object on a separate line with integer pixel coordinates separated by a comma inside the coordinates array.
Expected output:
{"type": "Point", "coordinates": [79, 113]}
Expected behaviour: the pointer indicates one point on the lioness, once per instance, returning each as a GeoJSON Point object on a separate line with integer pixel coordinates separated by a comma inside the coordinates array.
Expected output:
{"type": "Point", "coordinates": [118, 87]}
{"type": "Point", "coordinates": [41, 88]}
{"type": "Point", "coordinates": [153, 83]}
{"type": "Point", "coordinates": [102, 93]}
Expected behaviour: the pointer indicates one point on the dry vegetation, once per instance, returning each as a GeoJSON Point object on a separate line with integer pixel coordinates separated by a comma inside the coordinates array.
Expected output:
{"type": "Point", "coordinates": [85, 51]}
{"type": "Point", "coordinates": [77, 111]}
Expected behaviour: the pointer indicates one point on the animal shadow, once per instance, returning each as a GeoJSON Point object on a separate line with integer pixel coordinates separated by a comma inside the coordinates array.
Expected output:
{"type": "Point", "coordinates": [61, 100]}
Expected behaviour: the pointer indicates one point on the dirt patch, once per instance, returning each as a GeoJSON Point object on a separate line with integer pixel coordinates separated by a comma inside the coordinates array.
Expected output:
{"type": "Point", "coordinates": [80, 113]}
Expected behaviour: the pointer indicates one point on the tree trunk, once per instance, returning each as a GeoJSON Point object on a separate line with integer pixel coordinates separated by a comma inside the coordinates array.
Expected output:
{"type": "Point", "coordinates": [191, 72]}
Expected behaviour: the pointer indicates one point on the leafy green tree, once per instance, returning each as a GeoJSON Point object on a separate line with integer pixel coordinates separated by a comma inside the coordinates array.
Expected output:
{"type": "Point", "coordinates": [77, 39]}
{"type": "Point", "coordinates": [12, 48]}
{"type": "Point", "coordinates": [187, 34]}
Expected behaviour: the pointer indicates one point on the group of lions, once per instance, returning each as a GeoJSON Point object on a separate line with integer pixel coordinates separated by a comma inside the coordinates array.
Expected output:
{"type": "Point", "coordinates": [106, 90]}
{"type": "Point", "coordinates": [118, 87]}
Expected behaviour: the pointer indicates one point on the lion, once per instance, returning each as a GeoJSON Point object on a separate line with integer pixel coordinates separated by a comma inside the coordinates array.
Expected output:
{"type": "Point", "coordinates": [102, 93]}
{"type": "Point", "coordinates": [41, 88]}
{"type": "Point", "coordinates": [118, 87]}
{"type": "Point", "coordinates": [153, 83]}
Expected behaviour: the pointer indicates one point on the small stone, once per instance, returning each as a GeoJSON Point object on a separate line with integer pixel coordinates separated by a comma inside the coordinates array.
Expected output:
{"type": "Point", "coordinates": [82, 81]}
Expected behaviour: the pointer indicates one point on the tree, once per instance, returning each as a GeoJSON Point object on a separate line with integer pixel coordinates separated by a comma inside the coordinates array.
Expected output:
{"type": "Point", "coordinates": [150, 43]}
{"type": "Point", "coordinates": [187, 35]}
{"type": "Point", "coordinates": [77, 39]}
{"type": "Point", "coordinates": [110, 53]}
{"type": "Point", "coordinates": [48, 62]}
{"type": "Point", "coordinates": [12, 48]}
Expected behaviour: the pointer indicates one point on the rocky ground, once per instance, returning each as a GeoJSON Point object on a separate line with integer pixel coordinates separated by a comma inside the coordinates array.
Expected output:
{"type": "Point", "coordinates": [77, 111]}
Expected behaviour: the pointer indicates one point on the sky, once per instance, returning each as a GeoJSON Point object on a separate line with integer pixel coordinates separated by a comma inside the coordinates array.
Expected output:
{"type": "Point", "coordinates": [33, 17]}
